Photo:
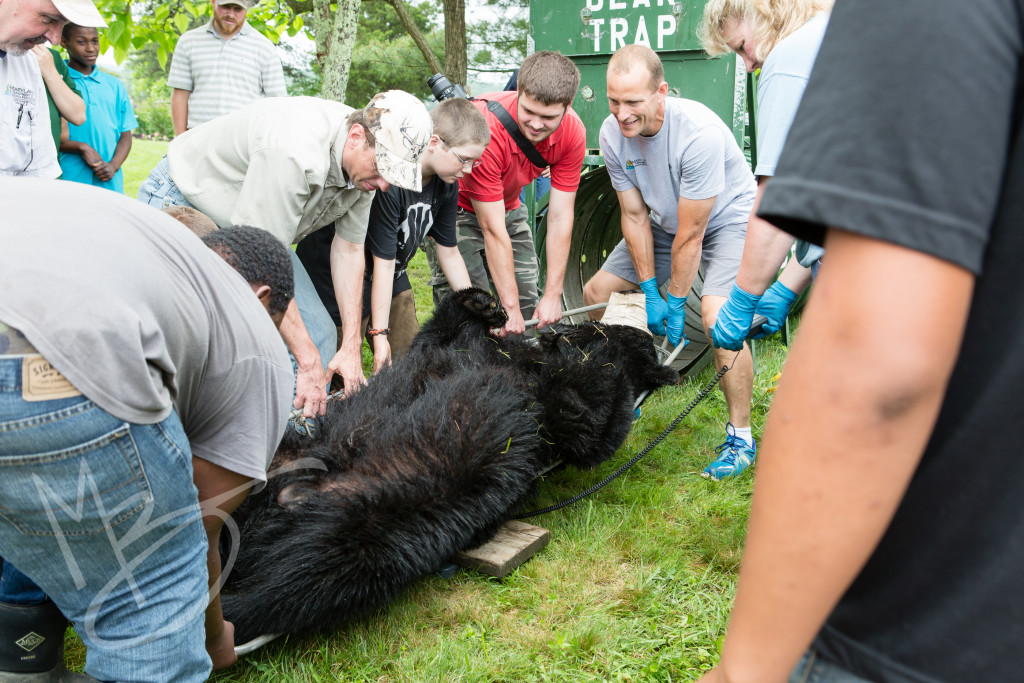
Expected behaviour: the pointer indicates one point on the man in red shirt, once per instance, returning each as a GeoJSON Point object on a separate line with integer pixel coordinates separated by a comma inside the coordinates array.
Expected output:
{"type": "Point", "coordinates": [494, 235]}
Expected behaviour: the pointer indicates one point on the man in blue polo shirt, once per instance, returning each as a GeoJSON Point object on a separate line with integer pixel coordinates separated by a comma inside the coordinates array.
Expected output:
{"type": "Point", "coordinates": [94, 152]}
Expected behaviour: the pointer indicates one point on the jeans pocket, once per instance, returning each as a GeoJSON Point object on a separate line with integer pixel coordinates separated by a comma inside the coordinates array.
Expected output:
{"type": "Point", "coordinates": [153, 191]}
{"type": "Point", "coordinates": [79, 490]}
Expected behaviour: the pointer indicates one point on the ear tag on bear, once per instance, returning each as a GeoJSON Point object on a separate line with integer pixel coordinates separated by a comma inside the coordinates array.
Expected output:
{"type": "Point", "coordinates": [40, 381]}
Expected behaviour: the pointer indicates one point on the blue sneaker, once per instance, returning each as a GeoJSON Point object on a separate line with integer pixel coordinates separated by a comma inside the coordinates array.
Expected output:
{"type": "Point", "coordinates": [734, 456]}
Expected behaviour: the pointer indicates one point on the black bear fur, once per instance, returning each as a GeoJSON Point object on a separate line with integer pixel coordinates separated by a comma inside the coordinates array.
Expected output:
{"type": "Point", "coordinates": [430, 458]}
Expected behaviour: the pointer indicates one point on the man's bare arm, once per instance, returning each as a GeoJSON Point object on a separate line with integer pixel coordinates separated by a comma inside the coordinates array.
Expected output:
{"type": "Point", "coordinates": [347, 265]}
{"type": "Point", "coordinates": [310, 383]}
{"type": "Point", "coordinates": [561, 210]}
{"type": "Point", "coordinates": [221, 491]}
{"type": "Point", "coordinates": [500, 261]}
{"type": "Point", "coordinates": [179, 110]}
{"type": "Point", "coordinates": [121, 151]}
{"type": "Point", "coordinates": [636, 229]}
{"type": "Point", "coordinates": [861, 409]}
{"type": "Point", "coordinates": [69, 105]}
{"type": "Point", "coordinates": [764, 250]}
{"type": "Point", "coordinates": [693, 215]}
{"type": "Point", "coordinates": [381, 289]}
{"type": "Point", "coordinates": [453, 266]}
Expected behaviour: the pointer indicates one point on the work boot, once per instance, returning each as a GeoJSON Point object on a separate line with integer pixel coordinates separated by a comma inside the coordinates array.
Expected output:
{"type": "Point", "coordinates": [32, 645]}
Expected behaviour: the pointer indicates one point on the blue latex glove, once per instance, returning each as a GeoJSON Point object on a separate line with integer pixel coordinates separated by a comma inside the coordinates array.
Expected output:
{"type": "Point", "coordinates": [676, 321]}
{"type": "Point", "coordinates": [657, 309]}
{"type": "Point", "coordinates": [775, 305]}
{"type": "Point", "coordinates": [734, 318]}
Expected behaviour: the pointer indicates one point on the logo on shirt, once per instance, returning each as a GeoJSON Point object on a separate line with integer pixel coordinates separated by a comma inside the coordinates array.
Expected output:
{"type": "Point", "coordinates": [633, 163]}
{"type": "Point", "coordinates": [21, 96]}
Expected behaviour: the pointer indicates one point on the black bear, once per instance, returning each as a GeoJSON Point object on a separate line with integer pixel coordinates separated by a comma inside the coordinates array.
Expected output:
{"type": "Point", "coordinates": [426, 460]}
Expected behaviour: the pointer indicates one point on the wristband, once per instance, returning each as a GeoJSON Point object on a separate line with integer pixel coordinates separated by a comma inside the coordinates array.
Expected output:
{"type": "Point", "coordinates": [382, 332]}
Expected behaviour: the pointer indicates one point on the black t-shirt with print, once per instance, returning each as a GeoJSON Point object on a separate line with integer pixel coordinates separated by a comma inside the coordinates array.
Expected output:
{"type": "Point", "coordinates": [400, 220]}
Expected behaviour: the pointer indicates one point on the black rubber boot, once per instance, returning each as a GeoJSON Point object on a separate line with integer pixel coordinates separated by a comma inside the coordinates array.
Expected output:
{"type": "Point", "coordinates": [32, 645]}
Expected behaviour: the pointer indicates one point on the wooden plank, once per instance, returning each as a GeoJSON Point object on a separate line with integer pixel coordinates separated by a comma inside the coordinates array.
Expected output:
{"type": "Point", "coordinates": [513, 544]}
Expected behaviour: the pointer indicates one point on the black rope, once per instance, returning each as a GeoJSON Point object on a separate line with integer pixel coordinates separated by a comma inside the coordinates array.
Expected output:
{"type": "Point", "coordinates": [701, 395]}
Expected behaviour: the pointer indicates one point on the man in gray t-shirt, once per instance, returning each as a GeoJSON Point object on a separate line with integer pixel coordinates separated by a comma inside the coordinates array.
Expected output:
{"type": "Point", "coordinates": [685, 192]}
{"type": "Point", "coordinates": [152, 365]}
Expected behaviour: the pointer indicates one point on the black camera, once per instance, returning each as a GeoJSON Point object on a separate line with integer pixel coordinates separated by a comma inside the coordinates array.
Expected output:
{"type": "Point", "coordinates": [442, 89]}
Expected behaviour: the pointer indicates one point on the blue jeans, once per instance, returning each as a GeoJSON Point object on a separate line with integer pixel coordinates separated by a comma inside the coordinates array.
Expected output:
{"type": "Point", "coordinates": [317, 320]}
{"type": "Point", "coordinates": [104, 517]}
{"type": "Point", "coordinates": [159, 191]}
{"type": "Point", "coordinates": [18, 589]}
{"type": "Point", "coordinates": [812, 669]}
{"type": "Point", "coordinates": [320, 326]}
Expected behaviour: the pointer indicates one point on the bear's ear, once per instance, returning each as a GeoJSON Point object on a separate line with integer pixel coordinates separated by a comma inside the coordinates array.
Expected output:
{"type": "Point", "coordinates": [549, 338]}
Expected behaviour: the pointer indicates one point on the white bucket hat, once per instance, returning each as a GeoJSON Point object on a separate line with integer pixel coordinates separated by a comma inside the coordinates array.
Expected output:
{"type": "Point", "coordinates": [81, 12]}
{"type": "Point", "coordinates": [402, 127]}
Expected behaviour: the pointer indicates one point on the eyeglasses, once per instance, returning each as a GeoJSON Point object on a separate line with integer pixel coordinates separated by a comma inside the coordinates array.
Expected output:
{"type": "Point", "coordinates": [464, 162]}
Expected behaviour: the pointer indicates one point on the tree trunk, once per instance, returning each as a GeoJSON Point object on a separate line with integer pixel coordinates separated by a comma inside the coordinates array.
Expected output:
{"type": "Point", "coordinates": [335, 39]}
{"type": "Point", "coordinates": [455, 40]}
{"type": "Point", "coordinates": [416, 35]}
{"type": "Point", "coordinates": [319, 27]}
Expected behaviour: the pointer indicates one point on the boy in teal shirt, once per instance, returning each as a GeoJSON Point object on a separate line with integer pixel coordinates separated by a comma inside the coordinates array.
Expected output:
{"type": "Point", "coordinates": [96, 149]}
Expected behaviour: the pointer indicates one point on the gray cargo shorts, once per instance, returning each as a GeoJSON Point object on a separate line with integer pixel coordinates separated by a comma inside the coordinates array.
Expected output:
{"type": "Point", "coordinates": [721, 254]}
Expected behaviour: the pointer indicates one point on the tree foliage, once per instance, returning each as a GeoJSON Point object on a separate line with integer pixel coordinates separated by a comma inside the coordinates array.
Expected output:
{"type": "Point", "coordinates": [386, 56]}
{"type": "Point", "coordinates": [395, 49]}
{"type": "Point", "coordinates": [496, 41]}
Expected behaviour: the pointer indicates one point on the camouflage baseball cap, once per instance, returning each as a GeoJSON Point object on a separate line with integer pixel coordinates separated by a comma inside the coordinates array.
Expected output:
{"type": "Point", "coordinates": [402, 127]}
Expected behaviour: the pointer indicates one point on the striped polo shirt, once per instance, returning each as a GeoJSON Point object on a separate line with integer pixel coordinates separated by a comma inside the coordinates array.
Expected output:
{"type": "Point", "coordinates": [225, 75]}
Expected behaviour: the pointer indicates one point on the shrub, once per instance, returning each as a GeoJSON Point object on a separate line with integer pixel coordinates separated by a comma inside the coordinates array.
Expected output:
{"type": "Point", "coordinates": [154, 115]}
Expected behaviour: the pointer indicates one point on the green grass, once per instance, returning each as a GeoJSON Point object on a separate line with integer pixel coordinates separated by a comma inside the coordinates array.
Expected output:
{"type": "Point", "coordinates": [144, 156]}
{"type": "Point", "coordinates": [635, 585]}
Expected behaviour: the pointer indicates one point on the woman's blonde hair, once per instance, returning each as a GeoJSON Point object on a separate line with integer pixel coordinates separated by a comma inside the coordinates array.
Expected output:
{"type": "Point", "coordinates": [770, 21]}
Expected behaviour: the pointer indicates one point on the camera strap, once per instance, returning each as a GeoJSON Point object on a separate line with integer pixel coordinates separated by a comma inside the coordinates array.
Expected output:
{"type": "Point", "coordinates": [513, 129]}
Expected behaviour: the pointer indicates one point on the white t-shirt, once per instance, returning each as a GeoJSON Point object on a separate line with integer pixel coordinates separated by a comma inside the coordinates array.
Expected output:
{"type": "Point", "coordinates": [693, 156]}
{"type": "Point", "coordinates": [26, 141]}
{"type": "Point", "coordinates": [780, 88]}
{"type": "Point", "coordinates": [141, 316]}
